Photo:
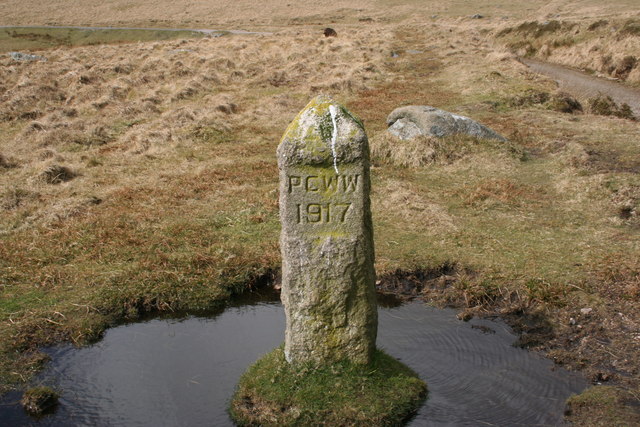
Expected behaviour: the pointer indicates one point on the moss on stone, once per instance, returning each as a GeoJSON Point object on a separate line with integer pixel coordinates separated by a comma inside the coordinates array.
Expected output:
{"type": "Point", "coordinates": [349, 114]}
{"type": "Point", "coordinates": [273, 392]}
{"type": "Point", "coordinates": [309, 137]}
{"type": "Point", "coordinates": [325, 125]}
{"type": "Point", "coordinates": [320, 108]}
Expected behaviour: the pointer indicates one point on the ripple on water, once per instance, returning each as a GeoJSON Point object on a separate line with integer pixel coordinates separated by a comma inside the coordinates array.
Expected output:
{"type": "Point", "coordinates": [183, 372]}
{"type": "Point", "coordinates": [474, 374]}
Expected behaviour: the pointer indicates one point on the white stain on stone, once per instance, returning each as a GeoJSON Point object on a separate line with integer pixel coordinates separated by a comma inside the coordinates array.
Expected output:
{"type": "Point", "coordinates": [333, 110]}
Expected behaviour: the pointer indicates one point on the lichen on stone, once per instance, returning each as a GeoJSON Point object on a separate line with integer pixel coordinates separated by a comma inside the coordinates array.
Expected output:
{"type": "Point", "coordinates": [328, 284]}
{"type": "Point", "coordinates": [308, 138]}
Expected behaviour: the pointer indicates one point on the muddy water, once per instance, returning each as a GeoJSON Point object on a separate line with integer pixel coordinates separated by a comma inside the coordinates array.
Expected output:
{"type": "Point", "coordinates": [182, 372]}
{"type": "Point", "coordinates": [585, 86]}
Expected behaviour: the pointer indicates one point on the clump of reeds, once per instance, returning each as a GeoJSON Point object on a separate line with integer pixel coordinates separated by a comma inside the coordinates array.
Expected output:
{"type": "Point", "coordinates": [606, 106]}
{"type": "Point", "coordinates": [56, 174]}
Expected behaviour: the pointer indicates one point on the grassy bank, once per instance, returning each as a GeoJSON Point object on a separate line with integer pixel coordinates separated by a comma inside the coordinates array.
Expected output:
{"type": "Point", "coordinates": [143, 178]}
{"type": "Point", "coordinates": [383, 393]}
{"type": "Point", "coordinates": [607, 47]}
{"type": "Point", "coordinates": [21, 39]}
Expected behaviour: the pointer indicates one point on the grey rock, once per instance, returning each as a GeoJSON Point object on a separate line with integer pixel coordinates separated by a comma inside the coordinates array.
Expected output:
{"type": "Point", "coordinates": [411, 121]}
{"type": "Point", "coordinates": [328, 279]}
{"type": "Point", "coordinates": [181, 51]}
{"type": "Point", "coordinates": [477, 16]}
{"type": "Point", "coordinates": [405, 129]}
{"type": "Point", "coordinates": [19, 56]}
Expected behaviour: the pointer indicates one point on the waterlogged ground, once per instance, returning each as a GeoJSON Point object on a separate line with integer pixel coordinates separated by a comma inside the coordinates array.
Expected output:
{"type": "Point", "coordinates": [183, 371]}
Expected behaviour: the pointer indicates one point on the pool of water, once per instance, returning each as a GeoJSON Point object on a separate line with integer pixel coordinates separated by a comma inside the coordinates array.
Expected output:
{"type": "Point", "coordinates": [182, 372]}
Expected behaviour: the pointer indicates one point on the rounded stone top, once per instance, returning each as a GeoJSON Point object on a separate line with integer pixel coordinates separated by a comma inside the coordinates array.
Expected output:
{"type": "Point", "coordinates": [324, 133]}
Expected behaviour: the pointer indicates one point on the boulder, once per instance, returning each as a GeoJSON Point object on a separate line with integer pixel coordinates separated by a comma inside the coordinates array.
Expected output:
{"type": "Point", "coordinates": [414, 120]}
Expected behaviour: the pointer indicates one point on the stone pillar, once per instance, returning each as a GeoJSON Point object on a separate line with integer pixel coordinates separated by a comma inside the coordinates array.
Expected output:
{"type": "Point", "coordinates": [328, 279]}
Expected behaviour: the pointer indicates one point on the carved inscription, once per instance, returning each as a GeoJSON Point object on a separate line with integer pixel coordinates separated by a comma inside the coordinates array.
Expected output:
{"type": "Point", "coordinates": [322, 212]}
{"type": "Point", "coordinates": [324, 183]}
{"type": "Point", "coordinates": [316, 213]}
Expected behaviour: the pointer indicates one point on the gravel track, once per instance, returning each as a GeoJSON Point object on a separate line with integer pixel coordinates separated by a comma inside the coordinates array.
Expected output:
{"type": "Point", "coordinates": [585, 86]}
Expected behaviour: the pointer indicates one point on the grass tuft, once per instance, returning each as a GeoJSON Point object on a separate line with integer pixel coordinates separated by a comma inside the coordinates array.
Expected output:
{"type": "Point", "coordinates": [426, 150]}
{"type": "Point", "coordinates": [606, 106]}
{"type": "Point", "coordinates": [274, 393]}
{"type": "Point", "coordinates": [38, 400]}
{"type": "Point", "coordinates": [603, 406]}
{"type": "Point", "coordinates": [56, 174]}
{"type": "Point", "coordinates": [631, 28]}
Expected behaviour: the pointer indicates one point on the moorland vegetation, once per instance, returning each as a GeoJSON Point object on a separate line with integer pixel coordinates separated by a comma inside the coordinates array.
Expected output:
{"type": "Point", "coordinates": [141, 177]}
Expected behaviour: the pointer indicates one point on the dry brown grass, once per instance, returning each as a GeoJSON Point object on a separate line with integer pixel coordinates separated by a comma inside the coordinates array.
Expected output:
{"type": "Point", "coordinates": [427, 150]}
{"type": "Point", "coordinates": [219, 12]}
{"type": "Point", "coordinates": [401, 200]}
{"type": "Point", "coordinates": [106, 116]}
{"type": "Point", "coordinates": [412, 153]}
{"type": "Point", "coordinates": [231, 13]}
{"type": "Point", "coordinates": [608, 47]}
{"type": "Point", "coordinates": [234, 13]}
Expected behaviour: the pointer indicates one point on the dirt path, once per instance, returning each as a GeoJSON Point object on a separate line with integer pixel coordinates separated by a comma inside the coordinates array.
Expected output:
{"type": "Point", "coordinates": [585, 86]}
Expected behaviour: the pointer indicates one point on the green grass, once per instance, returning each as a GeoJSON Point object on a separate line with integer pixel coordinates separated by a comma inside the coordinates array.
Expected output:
{"type": "Point", "coordinates": [273, 392]}
{"type": "Point", "coordinates": [21, 38]}
{"type": "Point", "coordinates": [494, 211]}
{"type": "Point", "coordinates": [11, 303]}
{"type": "Point", "coordinates": [603, 406]}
